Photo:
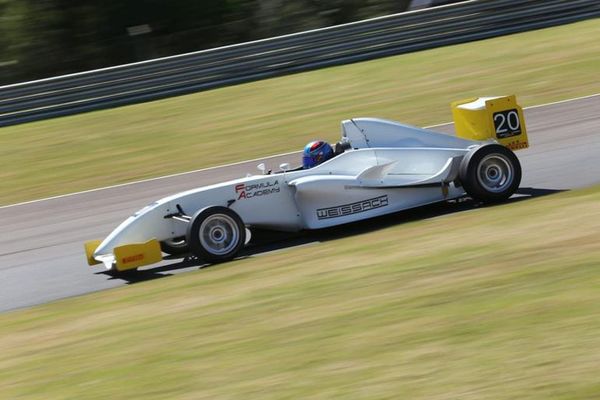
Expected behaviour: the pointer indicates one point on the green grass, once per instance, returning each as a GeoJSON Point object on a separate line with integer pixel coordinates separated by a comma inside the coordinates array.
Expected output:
{"type": "Point", "coordinates": [494, 303]}
{"type": "Point", "coordinates": [276, 115]}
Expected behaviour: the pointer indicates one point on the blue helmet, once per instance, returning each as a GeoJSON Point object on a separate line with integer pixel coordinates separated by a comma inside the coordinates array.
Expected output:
{"type": "Point", "coordinates": [315, 153]}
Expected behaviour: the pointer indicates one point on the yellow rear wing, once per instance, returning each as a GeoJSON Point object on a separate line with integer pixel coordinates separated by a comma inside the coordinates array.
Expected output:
{"type": "Point", "coordinates": [499, 118]}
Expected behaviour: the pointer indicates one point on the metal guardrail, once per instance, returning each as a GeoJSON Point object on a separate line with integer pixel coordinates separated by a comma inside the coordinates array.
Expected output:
{"type": "Point", "coordinates": [358, 41]}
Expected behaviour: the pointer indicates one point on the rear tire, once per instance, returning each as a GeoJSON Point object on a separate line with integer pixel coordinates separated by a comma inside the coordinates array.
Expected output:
{"type": "Point", "coordinates": [490, 173]}
{"type": "Point", "coordinates": [216, 234]}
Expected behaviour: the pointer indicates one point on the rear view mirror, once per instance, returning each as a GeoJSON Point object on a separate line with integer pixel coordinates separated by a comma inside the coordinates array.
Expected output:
{"type": "Point", "coordinates": [261, 167]}
{"type": "Point", "coordinates": [284, 167]}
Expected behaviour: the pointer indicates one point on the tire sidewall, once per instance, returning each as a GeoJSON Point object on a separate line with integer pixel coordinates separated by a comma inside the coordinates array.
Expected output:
{"type": "Point", "coordinates": [193, 237]}
{"type": "Point", "coordinates": [469, 168]}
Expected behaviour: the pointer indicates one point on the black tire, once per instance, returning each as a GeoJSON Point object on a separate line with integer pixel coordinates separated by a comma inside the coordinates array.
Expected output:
{"type": "Point", "coordinates": [216, 234]}
{"type": "Point", "coordinates": [490, 173]}
{"type": "Point", "coordinates": [175, 247]}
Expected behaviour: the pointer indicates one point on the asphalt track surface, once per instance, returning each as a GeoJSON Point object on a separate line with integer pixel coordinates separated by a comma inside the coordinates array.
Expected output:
{"type": "Point", "coordinates": [41, 242]}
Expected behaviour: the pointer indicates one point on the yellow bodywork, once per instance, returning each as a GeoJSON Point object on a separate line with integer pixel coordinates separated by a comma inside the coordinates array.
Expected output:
{"type": "Point", "coordinates": [499, 118]}
{"type": "Point", "coordinates": [135, 255]}
{"type": "Point", "coordinates": [90, 247]}
{"type": "Point", "coordinates": [128, 256]}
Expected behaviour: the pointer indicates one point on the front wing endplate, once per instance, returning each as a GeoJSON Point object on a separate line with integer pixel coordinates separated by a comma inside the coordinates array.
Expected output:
{"type": "Point", "coordinates": [135, 255]}
{"type": "Point", "coordinates": [90, 247]}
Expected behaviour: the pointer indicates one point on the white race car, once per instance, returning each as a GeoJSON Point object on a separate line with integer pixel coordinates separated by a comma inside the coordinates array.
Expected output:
{"type": "Point", "coordinates": [379, 167]}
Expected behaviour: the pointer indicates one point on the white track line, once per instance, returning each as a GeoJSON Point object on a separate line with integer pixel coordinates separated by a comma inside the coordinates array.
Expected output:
{"type": "Point", "coordinates": [147, 180]}
{"type": "Point", "coordinates": [246, 161]}
{"type": "Point", "coordinates": [563, 101]}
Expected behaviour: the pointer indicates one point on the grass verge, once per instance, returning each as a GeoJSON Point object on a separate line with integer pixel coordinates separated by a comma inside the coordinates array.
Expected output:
{"type": "Point", "coordinates": [494, 303]}
{"type": "Point", "coordinates": [276, 115]}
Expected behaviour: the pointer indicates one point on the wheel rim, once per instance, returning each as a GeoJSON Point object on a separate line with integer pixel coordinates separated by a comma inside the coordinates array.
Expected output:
{"type": "Point", "coordinates": [219, 234]}
{"type": "Point", "coordinates": [495, 173]}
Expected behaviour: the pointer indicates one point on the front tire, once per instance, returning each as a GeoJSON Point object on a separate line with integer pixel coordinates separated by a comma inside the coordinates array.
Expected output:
{"type": "Point", "coordinates": [216, 234]}
{"type": "Point", "coordinates": [490, 173]}
{"type": "Point", "coordinates": [175, 246]}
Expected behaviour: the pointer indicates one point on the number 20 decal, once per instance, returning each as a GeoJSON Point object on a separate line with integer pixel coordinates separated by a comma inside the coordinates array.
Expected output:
{"type": "Point", "coordinates": [507, 123]}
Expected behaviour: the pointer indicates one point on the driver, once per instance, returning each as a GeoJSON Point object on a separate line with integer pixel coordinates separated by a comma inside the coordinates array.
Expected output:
{"type": "Point", "coordinates": [316, 153]}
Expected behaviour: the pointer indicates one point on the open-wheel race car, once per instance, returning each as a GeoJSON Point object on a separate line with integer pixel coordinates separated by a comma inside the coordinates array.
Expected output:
{"type": "Point", "coordinates": [379, 167]}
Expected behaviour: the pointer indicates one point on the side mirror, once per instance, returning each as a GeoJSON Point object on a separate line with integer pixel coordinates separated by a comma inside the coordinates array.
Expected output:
{"type": "Point", "coordinates": [261, 167]}
{"type": "Point", "coordinates": [284, 167]}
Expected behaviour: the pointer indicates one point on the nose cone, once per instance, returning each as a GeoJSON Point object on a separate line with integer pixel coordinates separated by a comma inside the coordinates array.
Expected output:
{"type": "Point", "coordinates": [146, 224]}
{"type": "Point", "coordinates": [116, 238]}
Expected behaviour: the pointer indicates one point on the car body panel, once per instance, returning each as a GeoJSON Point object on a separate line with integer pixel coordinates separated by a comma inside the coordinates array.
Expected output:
{"type": "Point", "coordinates": [387, 167]}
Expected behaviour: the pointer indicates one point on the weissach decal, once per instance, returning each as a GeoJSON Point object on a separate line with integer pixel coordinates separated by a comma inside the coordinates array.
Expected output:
{"type": "Point", "coordinates": [352, 208]}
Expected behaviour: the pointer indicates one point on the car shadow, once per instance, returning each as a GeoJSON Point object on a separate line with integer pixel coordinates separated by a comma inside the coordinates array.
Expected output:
{"type": "Point", "coordinates": [264, 241]}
